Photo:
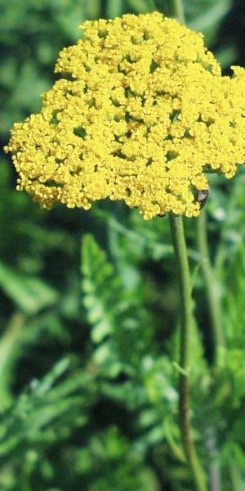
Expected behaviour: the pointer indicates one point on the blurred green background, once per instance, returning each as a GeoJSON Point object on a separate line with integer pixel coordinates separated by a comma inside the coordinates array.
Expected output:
{"type": "Point", "coordinates": [88, 300]}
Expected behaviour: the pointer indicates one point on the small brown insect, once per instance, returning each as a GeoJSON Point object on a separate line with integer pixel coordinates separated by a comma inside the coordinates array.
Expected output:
{"type": "Point", "coordinates": [202, 197]}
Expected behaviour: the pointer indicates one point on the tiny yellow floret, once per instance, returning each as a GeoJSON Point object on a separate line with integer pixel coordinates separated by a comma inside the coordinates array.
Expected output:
{"type": "Point", "coordinates": [141, 115]}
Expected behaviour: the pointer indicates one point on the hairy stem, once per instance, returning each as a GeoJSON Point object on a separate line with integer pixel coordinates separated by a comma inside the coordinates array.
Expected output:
{"type": "Point", "coordinates": [210, 283]}
{"type": "Point", "coordinates": [186, 327]}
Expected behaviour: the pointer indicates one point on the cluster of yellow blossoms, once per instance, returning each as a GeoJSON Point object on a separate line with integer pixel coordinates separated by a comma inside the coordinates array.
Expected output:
{"type": "Point", "coordinates": [140, 115]}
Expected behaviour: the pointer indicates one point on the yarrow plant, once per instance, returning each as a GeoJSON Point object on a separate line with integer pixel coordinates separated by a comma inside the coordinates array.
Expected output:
{"type": "Point", "coordinates": [141, 115]}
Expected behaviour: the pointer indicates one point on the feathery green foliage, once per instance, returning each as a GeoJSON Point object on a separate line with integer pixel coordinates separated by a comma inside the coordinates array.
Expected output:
{"type": "Point", "coordinates": [88, 302]}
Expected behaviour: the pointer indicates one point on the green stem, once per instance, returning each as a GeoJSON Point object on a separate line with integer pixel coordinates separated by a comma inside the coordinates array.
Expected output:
{"type": "Point", "coordinates": [213, 296]}
{"type": "Point", "coordinates": [177, 10]}
{"type": "Point", "coordinates": [186, 326]}
{"type": "Point", "coordinates": [236, 481]}
{"type": "Point", "coordinates": [8, 346]}
{"type": "Point", "coordinates": [152, 5]}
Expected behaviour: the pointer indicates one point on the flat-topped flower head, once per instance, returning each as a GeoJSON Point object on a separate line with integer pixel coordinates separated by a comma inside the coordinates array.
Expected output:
{"type": "Point", "coordinates": [140, 115]}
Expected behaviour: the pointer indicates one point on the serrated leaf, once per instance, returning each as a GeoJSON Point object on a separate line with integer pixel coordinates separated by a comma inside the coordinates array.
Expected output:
{"type": "Point", "coordinates": [46, 412]}
{"type": "Point", "coordinates": [101, 289]}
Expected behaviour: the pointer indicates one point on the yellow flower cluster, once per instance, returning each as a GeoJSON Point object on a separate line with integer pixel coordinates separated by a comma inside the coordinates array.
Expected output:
{"type": "Point", "coordinates": [140, 115]}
